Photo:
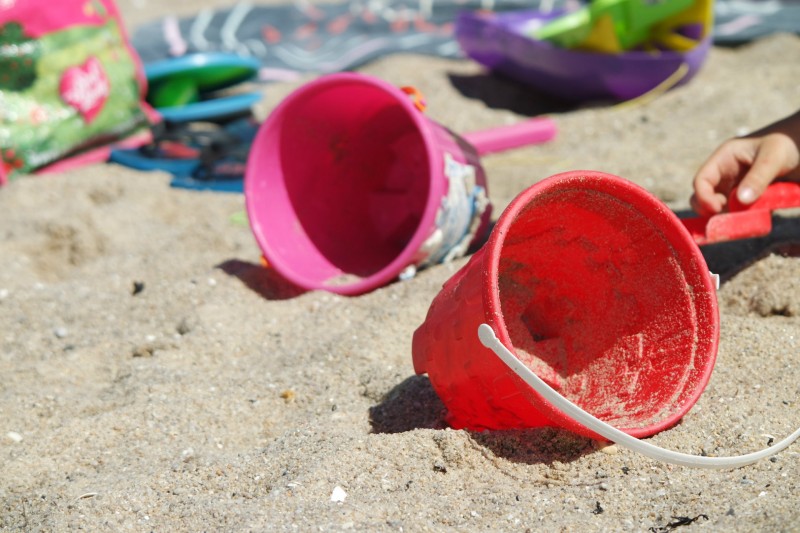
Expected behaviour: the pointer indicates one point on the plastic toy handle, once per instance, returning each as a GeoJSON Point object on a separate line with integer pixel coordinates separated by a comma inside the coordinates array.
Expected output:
{"type": "Point", "coordinates": [567, 31]}
{"type": "Point", "coordinates": [490, 340]}
{"type": "Point", "coordinates": [744, 221]}
{"type": "Point", "coordinates": [534, 131]}
{"type": "Point", "coordinates": [779, 195]}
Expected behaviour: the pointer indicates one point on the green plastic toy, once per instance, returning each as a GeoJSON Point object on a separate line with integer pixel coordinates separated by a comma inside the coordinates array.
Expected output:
{"type": "Point", "coordinates": [181, 81]}
{"type": "Point", "coordinates": [610, 25]}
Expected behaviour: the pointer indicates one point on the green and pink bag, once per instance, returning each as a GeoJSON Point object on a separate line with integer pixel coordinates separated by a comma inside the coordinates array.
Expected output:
{"type": "Point", "coordinates": [71, 86]}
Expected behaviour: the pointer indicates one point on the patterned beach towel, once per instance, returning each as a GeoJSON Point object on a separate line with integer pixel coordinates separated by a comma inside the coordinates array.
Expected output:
{"type": "Point", "coordinates": [300, 37]}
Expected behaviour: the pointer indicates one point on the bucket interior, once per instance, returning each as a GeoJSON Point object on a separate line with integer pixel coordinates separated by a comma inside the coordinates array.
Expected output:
{"type": "Point", "coordinates": [344, 173]}
{"type": "Point", "coordinates": [599, 303]}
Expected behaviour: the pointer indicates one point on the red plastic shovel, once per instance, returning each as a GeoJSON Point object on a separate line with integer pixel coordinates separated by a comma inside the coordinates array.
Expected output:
{"type": "Point", "coordinates": [744, 221]}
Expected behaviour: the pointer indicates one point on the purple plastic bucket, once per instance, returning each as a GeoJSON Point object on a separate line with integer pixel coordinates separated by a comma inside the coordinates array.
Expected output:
{"type": "Point", "coordinates": [349, 185]}
{"type": "Point", "coordinates": [498, 41]}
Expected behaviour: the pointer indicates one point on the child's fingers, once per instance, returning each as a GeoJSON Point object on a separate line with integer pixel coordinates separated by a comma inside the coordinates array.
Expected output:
{"type": "Point", "coordinates": [708, 197]}
{"type": "Point", "coordinates": [771, 160]}
{"type": "Point", "coordinates": [705, 200]}
{"type": "Point", "coordinates": [707, 206]}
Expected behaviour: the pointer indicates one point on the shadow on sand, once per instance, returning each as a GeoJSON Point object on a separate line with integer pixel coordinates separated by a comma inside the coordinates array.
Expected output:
{"type": "Point", "coordinates": [261, 280]}
{"type": "Point", "coordinates": [413, 404]}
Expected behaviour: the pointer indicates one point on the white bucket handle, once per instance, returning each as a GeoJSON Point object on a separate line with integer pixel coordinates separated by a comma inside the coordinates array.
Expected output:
{"type": "Point", "coordinates": [490, 340]}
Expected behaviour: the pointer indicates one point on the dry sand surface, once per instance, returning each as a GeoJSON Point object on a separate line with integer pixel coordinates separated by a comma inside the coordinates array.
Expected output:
{"type": "Point", "coordinates": [218, 398]}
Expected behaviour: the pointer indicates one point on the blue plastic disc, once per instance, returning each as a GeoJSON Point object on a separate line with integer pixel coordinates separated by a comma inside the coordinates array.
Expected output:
{"type": "Point", "coordinates": [210, 109]}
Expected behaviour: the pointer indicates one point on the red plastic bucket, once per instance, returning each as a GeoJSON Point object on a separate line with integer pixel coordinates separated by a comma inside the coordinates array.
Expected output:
{"type": "Point", "coordinates": [599, 289]}
{"type": "Point", "coordinates": [349, 185]}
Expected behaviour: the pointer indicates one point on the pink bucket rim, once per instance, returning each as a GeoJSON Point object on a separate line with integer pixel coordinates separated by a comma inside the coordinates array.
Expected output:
{"type": "Point", "coordinates": [435, 193]}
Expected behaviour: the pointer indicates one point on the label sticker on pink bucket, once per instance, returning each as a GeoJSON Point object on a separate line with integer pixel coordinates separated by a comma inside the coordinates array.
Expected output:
{"type": "Point", "coordinates": [458, 217]}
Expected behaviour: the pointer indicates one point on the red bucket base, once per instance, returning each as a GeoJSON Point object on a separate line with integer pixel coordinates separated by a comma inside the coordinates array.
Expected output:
{"type": "Point", "coordinates": [599, 289]}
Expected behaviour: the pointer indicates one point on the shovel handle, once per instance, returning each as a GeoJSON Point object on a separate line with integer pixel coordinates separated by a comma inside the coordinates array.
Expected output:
{"type": "Point", "coordinates": [780, 195]}
{"type": "Point", "coordinates": [534, 131]}
{"type": "Point", "coordinates": [744, 221]}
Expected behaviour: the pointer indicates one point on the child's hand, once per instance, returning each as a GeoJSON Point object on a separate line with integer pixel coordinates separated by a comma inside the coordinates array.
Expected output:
{"type": "Point", "coordinates": [752, 163]}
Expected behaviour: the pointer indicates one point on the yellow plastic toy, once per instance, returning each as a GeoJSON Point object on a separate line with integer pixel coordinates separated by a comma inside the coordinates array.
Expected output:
{"type": "Point", "coordinates": [614, 26]}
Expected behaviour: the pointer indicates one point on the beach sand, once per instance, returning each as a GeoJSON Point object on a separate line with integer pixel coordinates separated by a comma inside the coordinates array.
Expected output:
{"type": "Point", "coordinates": [216, 397]}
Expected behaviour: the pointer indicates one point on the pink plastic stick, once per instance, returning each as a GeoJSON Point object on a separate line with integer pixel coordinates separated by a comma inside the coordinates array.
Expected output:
{"type": "Point", "coordinates": [534, 131]}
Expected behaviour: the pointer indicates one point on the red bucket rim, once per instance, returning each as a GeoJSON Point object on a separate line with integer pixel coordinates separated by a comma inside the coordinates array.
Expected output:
{"type": "Point", "coordinates": [662, 218]}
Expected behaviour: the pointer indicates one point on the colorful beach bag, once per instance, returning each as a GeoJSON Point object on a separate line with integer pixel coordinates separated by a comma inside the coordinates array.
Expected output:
{"type": "Point", "coordinates": [70, 84]}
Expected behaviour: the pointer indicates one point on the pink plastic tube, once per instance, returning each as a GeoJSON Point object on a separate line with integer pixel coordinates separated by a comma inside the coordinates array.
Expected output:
{"type": "Point", "coordinates": [534, 131]}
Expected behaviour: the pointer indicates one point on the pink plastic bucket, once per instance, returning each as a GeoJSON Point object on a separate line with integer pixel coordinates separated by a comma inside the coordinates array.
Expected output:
{"type": "Point", "coordinates": [599, 289]}
{"type": "Point", "coordinates": [349, 185]}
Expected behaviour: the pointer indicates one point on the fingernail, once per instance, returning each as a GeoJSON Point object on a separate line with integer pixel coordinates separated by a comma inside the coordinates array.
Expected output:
{"type": "Point", "coordinates": [746, 195]}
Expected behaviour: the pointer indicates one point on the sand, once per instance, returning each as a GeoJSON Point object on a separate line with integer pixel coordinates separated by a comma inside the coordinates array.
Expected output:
{"type": "Point", "coordinates": [155, 378]}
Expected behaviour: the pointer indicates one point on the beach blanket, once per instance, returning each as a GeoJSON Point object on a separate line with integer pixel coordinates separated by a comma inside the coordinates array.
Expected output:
{"type": "Point", "coordinates": [299, 37]}
{"type": "Point", "coordinates": [739, 21]}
